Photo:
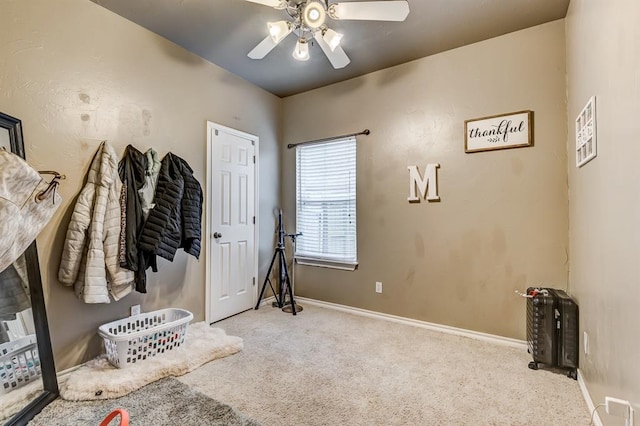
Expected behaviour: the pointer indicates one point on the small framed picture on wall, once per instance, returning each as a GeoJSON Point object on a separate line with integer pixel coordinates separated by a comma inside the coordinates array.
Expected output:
{"type": "Point", "coordinates": [586, 133]}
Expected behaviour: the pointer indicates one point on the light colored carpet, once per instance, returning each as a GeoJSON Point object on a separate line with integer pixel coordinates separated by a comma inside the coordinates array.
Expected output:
{"type": "Point", "coordinates": [164, 402]}
{"type": "Point", "coordinates": [97, 379]}
{"type": "Point", "coordinates": [324, 367]}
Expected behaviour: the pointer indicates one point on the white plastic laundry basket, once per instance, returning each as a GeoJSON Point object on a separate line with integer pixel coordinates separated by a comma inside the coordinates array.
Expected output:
{"type": "Point", "coordinates": [139, 337]}
{"type": "Point", "coordinates": [19, 363]}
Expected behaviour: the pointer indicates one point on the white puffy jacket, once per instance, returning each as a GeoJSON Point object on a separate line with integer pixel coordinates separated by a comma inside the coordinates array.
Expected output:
{"type": "Point", "coordinates": [90, 256]}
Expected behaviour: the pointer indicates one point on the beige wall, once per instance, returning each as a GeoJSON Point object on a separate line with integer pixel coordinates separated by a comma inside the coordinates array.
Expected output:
{"type": "Point", "coordinates": [76, 74]}
{"type": "Point", "coordinates": [502, 224]}
{"type": "Point", "coordinates": [603, 59]}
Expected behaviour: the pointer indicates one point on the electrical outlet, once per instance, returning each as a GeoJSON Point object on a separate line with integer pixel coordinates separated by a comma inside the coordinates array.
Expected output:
{"type": "Point", "coordinates": [135, 310]}
{"type": "Point", "coordinates": [378, 287]}
{"type": "Point", "coordinates": [619, 408]}
{"type": "Point", "coordinates": [585, 342]}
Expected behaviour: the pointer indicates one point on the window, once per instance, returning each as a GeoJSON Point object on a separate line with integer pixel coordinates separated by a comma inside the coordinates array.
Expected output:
{"type": "Point", "coordinates": [326, 204]}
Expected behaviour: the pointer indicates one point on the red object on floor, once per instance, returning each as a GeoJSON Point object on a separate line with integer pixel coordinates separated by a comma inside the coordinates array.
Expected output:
{"type": "Point", "coordinates": [124, 417]}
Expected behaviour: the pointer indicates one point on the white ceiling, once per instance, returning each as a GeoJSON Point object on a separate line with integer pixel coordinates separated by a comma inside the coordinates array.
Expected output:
{"type": "Point", "coordinates": [224, 31]}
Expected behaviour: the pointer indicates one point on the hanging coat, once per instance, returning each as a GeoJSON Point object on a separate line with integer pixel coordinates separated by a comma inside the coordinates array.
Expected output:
{"type": "Point", "coordinates": [132, 170]}
{"type": "Point", "coordinates": [175, 221]}
{"type": "Point", "coordinates": [90, 255]}
{"type": "Point", "coordinates": [13, 294]}
{"type": "Point", "coordinates": [148, 191]}
{"type": "Point", "coordinates": [191, 213]}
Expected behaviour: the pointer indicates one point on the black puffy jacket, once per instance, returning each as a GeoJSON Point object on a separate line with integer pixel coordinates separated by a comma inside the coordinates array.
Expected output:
{"type": "Point", "coordinates": [175, 221]}
{"type": "Point", "coordinates": [192, 199]}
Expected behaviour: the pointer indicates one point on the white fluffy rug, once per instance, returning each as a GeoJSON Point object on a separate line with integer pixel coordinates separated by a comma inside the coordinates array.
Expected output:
{"type": "Point", "coordinates": [97, 379]}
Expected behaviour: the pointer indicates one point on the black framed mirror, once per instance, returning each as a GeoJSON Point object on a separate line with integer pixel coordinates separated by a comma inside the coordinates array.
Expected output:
{"type": "Point", "coordinates": [27, 371]}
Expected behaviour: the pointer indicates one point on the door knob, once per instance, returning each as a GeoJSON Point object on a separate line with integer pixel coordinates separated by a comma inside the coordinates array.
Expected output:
{"type": "Point", "coordinates": [217, 235]}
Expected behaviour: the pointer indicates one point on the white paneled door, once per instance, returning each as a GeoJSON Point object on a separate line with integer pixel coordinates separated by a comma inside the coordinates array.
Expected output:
{"type": "Point", "coordinates": [232, 260]}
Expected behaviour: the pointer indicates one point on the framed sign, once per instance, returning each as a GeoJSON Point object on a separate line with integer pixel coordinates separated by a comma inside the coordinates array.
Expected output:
{"type": "Point", "coordinates": [513, 130]}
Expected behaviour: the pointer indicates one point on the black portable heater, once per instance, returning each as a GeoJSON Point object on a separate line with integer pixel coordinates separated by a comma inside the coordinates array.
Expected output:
{"type": "Point", "coordinates": [552, 330]}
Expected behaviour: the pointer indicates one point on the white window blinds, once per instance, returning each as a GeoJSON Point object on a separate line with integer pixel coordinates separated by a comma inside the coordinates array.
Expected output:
{"type": "Point", "coordinates": [326, 201]}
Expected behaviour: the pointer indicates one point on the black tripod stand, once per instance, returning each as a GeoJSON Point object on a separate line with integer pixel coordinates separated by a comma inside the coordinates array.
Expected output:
{"type": "Point", "coordinates": [284, 281]}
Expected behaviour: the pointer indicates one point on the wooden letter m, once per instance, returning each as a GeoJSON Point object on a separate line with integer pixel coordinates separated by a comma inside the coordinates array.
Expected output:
{"type": "Point", "coordinates": [430, 183]}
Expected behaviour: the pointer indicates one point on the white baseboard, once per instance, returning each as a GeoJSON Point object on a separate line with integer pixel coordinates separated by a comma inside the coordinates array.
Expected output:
{"type": "Point", "coordinates": [268, 301]}
{"type": "Point", "coordinates": [587, 398]}
{"type": "Point", "coordinates": [64, 373]}
{"type": "Point", "coordinates": [520, 344]}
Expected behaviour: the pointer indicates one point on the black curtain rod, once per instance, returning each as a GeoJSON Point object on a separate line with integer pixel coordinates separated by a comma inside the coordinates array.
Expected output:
{"type": "Point", "coordinates": [364, 132]}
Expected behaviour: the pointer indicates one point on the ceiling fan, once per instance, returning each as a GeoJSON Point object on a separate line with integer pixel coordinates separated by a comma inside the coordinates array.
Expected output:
{"type": "Point", "coordinates": [308, 22]}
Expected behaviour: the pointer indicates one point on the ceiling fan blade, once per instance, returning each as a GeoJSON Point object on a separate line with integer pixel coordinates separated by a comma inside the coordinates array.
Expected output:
{"type": "Point", "coordinates": [337, 57]}
{"type": "Point", "coordinates": [263, 48]}
{"type": "Point", "coordinates": [272, 3]}
{"type": "Point", "coordinates": [370, 10]}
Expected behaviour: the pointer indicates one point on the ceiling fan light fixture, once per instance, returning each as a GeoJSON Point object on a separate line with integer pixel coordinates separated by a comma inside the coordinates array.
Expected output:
{"type": "Point", "coordinates": [279, 30]}
{"type": "Point", "coordinates": [314, 15]}
{"type": "Point", "coordinates": [332, 38]}
{"type": "Point", "coordinates": [301, 52]}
